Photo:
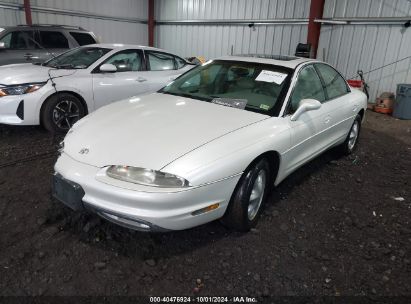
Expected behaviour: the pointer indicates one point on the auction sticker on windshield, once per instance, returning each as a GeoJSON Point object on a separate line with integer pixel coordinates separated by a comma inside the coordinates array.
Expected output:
{"type": "Point", "coordinates": [231, 102]}
{"type": "Point", "coordinates": [270, 76]}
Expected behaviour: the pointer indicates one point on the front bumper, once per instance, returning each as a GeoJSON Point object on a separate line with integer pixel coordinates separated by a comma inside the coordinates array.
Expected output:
{"type": "Point", "coordinates": [141, 209]}
{"type": "Point", "coordinates": [21, 109]}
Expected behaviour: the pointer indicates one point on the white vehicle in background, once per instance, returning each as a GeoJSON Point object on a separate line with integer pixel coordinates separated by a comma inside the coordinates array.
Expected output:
{"type": "Point", "coordinates": [209, 145]}
{"type": "Point", "coordinates": [61, 91]}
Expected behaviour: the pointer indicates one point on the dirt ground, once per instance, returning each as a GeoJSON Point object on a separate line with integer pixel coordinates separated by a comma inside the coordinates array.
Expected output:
{"type": "Point", "coordinates": [338, 226]}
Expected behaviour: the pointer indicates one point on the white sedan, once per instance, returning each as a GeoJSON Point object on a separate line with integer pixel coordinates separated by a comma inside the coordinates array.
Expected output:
{"type": "Point", "coordinates": [208, 146]}
{"type": "Point", "coordinates": [59, 92]}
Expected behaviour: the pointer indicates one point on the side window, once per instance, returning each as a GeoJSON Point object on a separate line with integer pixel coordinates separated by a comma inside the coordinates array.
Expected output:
{"type": "Point", "coordinates": [181, 63]}
{"type": "Point", "coordinates": [83, 38]}
{"type": "Point", "coordinates": [53, 40]}
{"type": "Point", "coordinates": [335, 85]}
{"type": "Point", "coordinates": [308, 86]}
{"type": "Point", "coordinates": [160, 61]}
{"type": "Point", "coordinates": [126, 61]}
{"type": "Point", "coordinates": [22, 40]}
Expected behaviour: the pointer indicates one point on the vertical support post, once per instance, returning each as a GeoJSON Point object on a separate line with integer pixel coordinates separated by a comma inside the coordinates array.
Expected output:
{"type": "Point", "coordinates": [151, 22]}
{"type": "Point", "coordinates": [314, 29]}
{"type": "Point", "coordinates": [27, 11]}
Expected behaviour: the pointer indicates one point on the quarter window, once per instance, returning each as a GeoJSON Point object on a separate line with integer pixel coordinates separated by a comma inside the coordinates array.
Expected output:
{"type": "Point", "coordinates": [53, 40]}
{"type": "Point", "coordinates": [83, 38]}
{"type": "Point", "coordinates": [334, 84]}
{"type": "Point", "coordinates": [308, 86]}
{"type": "Point", "coordinates": [160, 61]}
{"type": "Point", "coordinates": [126, 61]}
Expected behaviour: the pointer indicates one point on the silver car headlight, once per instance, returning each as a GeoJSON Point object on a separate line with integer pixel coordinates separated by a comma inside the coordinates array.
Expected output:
{"type": "Point", "coordinates": [20, 89]}
{"type": "Point", "coordinates": [147, 177]}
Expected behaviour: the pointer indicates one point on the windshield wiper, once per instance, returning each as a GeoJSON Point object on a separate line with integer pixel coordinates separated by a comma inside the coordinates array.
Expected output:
{"type": "Point", "coordinates": [186, 95]}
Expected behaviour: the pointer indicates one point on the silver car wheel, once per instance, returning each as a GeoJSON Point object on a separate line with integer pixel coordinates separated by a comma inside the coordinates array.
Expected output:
{"type": "Point", "coordinates": [257, 195]}
{"type": "Point", "coordinates": [353, 135]}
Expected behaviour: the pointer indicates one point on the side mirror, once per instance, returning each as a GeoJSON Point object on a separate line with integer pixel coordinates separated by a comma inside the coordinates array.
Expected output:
{"type": "Point", "coordinates": [306, 105]}
{"type": "Point", "coordinates": [108, 68]}
{"type": "Point", "coordinates": [2, 45]}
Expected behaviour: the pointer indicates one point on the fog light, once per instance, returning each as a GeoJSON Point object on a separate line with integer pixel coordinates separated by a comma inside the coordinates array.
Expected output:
{"type": "Point", "coordinates": [206, 209]}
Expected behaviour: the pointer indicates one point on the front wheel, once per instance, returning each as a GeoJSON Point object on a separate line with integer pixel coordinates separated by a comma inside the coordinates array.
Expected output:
{"type": "Point", "coordinates": [61, 112]}
{"type": "Point", "coordinates": [248, 198]}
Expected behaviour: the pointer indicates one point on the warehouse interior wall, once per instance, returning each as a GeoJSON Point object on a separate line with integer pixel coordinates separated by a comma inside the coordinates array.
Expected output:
{"type": "Point", "coordinates": [127, 29]}
{"type": "Point", "coordinates": [367, 47]}
{"type": "Point", "coordinates": [348, 47]}
{"type": "Point", "coordinates": [217, 40]}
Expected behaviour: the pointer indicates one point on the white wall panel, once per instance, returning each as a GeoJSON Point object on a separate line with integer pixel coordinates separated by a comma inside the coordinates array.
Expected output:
{"type": "Point", "coordinates": [368, 47]}
{"type": "Point", "coordinates": [216, 40]}
{"type": "Point", "coordinates": [106, 30]}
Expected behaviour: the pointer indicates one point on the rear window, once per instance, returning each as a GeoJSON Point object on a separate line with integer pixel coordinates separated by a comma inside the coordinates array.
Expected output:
{"type": "Point", "coordinates": [83, 38]}
{"type": "Point", "coordinates": [53, 40]}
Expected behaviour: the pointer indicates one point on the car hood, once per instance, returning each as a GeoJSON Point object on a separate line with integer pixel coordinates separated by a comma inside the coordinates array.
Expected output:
{"type": "Point", "coordinates": [28, 73]}
{"type": "Point", "coordinates": [151, 131]}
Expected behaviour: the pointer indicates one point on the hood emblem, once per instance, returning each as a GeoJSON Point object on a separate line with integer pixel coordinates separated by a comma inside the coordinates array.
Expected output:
{"type": "Point", "coordinates": [84, 151]}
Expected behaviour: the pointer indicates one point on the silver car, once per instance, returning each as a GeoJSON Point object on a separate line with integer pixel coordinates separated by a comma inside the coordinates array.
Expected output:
{"type": "Point", "coordinates": [38, 43]}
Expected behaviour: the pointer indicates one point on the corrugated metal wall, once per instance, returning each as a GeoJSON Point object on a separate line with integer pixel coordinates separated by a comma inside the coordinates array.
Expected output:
{"type": "Point", "coordinates": [10, 16]}
{"type": "Point", "coordinates": [212, 41]}
{"type": "Point", "coordinates": [106, 30]}
{"type": "Point", "coordinates": [367, 47]}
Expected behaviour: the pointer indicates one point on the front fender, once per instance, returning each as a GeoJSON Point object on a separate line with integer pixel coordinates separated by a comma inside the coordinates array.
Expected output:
{"type": "Point", "coordinates": [231, 154]}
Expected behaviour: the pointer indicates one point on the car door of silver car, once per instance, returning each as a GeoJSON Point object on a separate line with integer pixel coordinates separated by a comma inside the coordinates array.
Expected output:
{"type": "Point", "coordinates": [20, 46]}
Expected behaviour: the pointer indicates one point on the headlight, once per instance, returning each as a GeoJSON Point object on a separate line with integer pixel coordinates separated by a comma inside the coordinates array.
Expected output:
{"type": "Point", "coordinates": [20, 89]}
{"type": "Point", "coordinates": [147, 177]}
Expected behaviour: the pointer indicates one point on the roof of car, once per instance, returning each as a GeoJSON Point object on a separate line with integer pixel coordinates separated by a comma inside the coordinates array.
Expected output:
{"type": "Point", "coordinates": [46, 26]}
{"type": "Point", "coordinates": [281, 60]}
{"type": "Point", "coordinates": [124, 46]}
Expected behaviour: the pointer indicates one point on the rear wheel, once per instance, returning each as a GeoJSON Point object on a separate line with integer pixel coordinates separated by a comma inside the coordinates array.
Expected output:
{"type": "Point", "coordinates": [249, 197]}
{"type": "Point", "coordinates": [61, 112]}
{"type": "Point", "coordinates": [351, 141]}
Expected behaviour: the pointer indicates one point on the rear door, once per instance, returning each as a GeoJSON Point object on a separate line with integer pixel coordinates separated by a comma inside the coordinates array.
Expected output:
{"type": "Point", "coordinates": [126, 82]}
{"type": "Point", "coordinates": [163, 68]}
{"type": "Point", "coordinates": [53, 43]}
{"type": "Point", "coordinates": [339, 106]}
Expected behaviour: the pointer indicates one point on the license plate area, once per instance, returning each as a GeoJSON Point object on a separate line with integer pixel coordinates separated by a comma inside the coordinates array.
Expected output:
{"type": "Point", "coordinates": [67, 192]}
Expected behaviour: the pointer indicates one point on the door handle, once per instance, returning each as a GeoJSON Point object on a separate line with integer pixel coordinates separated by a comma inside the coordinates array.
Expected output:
{"type": "Point", "coordinates": [141, 79]}
{"type": "Point", "coordinates": [327, 120]}
{"type": "Point", "coordinates": [28, 56]}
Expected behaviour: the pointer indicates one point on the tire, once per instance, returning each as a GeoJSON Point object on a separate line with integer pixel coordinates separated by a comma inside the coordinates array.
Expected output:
{"type": "Point", "coordinates": [350, 143]}
{"type": "Point", "coordinates": [240, 214]}
{"type": "Point", "coordinates": [61, 111]}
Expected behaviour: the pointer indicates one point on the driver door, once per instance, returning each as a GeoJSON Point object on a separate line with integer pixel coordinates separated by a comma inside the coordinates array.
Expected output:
{"type": "Point", "coordinates": [126, 82]}
{"type": "Point", "coordinates": [308, 128]}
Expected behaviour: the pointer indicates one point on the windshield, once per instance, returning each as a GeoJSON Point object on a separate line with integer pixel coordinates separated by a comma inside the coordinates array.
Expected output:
{"type": "Point", "coordinates": [250, 86]}
{"type": "Point", "coordinates": [1, 29]}
{"type": "Point", "coordinates": [79, 58]}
